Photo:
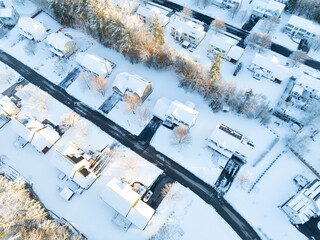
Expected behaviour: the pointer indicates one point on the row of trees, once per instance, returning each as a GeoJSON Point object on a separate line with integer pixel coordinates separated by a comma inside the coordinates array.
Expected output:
{"type": "Point", "coordinates": [24, 218]}
{"type": "Point", "coordinates": [308, 8]}
{"type": "Point", "coordinates": [117, 28]}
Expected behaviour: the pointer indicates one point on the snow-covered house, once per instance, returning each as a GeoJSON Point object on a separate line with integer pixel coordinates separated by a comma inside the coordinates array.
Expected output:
{"type": "Point", "coordinates": [9, 16]}
{"type": "Point", "coordinates": [94, 64]}
{"type": "Point", "coordinates": [75, 163]}
{"type": "Point", "coordinates": [231, 3]}
{"type": "Point", "coordinates": [302, 28]}
{"type": "Point", "coordinates": [41, 136]}
{"type": "Point", "coordinates": [305, 204]}
{"type": "Point", "coordinates": [187, 30]}
{"type": "Point", "coordinates": [32, 29]}
{"type": "Point", "coordinates": [121, 197]}
{"type": "Point", "coordinates": [125, 83]}
{"type": "Point", "coordinates": [226, 46]}
{"type": "Point", "coordinates": [268, 9]}
{"type": "Point", "coordinates": [306, 87]}
{"type": "Point", "coordinates": [61, 45]}
{"type": "Point", "coordinates": [227, 141]}
{"type": "Point", "coordinates": [7, 110]}
{"type": "Point", "coordinates": [147, 14]}
{"type": "Point", "coordinates": [269, 68]}
{"type": "Point", "coordinates": [175, 113]}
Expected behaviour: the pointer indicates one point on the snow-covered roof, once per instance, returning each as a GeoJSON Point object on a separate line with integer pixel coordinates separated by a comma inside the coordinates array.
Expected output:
{"type": "Point", "coordinates": [228, 141]}
{"type": "Point", "coordinates": [25, 126]}
{"type": "Point", "coordinates": [132, 83]}
{"type": "Point", "coordinates": [309, 81]}
{"type": "Point", "coordinates": [161, 107]}
{"type": "Point", "coordinates": [66, 193]}
{"type": "Point", "coordinates": [68, 159]}
{"type": "Point", "coordinates": [235, 52]}
{"type": "Point", "coordinates": [222, 42]}
{"type": "Point", "coordinates": [150, 12]}
{"type": "Point", "coordinates": [260, 6]}
{"type": "Point", "coordinates": [59, 41]}
{"type": "Point", "coordinates": [278, 71]}
{"type": "Point", "coordinates": [6, 12]}
{"type": "Point", "coordinates": [46, 137]}
{"type": "Point", "coordinates": [300, 22]}
{"type": "Point", "coordinates": [182, 112]}
{"type": "Point", "coordinates": [120, 196]}
{"type": "Point", "coordinates": [84, 177]}
{"type": "Point", "coordinates": [94, 64]}
{"type": "Point", "coordinates": [297, 89]}
{"type": "Point", "coordinates": [140, 214]}
{"type": "Point", "coordinates": [266, 7]}
{"type": "Point", "coordinates": [8, 106]}
{"type": "Point", "coordinates": [30, 26]}
{"type": "Point", "coordinates": [189, 27]}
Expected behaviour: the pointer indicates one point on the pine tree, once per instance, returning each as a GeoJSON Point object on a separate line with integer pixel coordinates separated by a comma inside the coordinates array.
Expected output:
{"type": "Point", "coordinates": [214, 73]}
{"type": "Point", "coordinates": [291, 5]}
{"type": "Point", "coordinates": [157, 30]}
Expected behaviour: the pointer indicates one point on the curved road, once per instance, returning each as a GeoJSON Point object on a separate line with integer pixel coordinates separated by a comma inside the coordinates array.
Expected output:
{"type": "Point", "coordinates": [170, 168]}
{"type": "Point", "coordinates": [236, 31]}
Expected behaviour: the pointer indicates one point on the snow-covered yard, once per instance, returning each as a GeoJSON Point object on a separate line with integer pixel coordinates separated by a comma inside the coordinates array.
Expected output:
{"type": "Point", "coordinates": [8, 75]}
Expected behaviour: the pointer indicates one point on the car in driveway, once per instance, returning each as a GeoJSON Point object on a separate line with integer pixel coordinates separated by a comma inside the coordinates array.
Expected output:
{"type": "Point", "coordinates": [147, 196]}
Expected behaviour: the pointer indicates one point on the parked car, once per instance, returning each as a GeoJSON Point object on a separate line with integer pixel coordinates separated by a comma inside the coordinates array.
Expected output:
{"type": "Point", "coordinates": [147, 196]}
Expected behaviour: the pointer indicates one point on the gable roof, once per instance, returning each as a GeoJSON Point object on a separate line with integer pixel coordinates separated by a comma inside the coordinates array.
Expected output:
{"type": "Point", "coordinates": [280, 72]}
{"type": "Point", "coordinates": [59, 41]}
{"type": "Point", "coordinates": [300, 22]}
{"type": "Point", "coordinates": [222, 42]}
{"type": "Point", "coordinates": [120, 196]}
{"type": "Point", "coordinates": [6, 12]}
{"type": "Point", "coordinates": [235, 52]}
{"type": "Point", "coordinates": [8, 106]}
{"type": "Point", "coordinates": [150, 13]}
{"type": "Point", "coordinates": [128, 82]}
{"type": "Point", "coordinates": [33, 27]}
{"type": "Point", "coordinates": [140, 214]}
{"type": "Point", "coordinates": [94, 63]}
{"type": "Point", "coordinates": [182, 112]}
{"type": "Point", "coordinates": [189, 27]}
{"type": "Point", "coordinates": [46, 137]}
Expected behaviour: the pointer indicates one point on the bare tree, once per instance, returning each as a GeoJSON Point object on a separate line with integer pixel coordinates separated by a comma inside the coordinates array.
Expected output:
{"type": "Point", "coordinates": [181, 135]}
{"type": "Point", "coordinates": [243, 15]}
{"type": "Point", "coordinates": [86, 79]}
{"type": "Point", "coordinates": [265, 42]}
{"type": "Point", "coordinates": [253, 39]}
{"type": "Point", "coordinates": [38, 99]}
{"type": "Point", "coordinates": [30, 47]}
{"type": "Point", "coordinates": [270, 24]}
{"type": "Point", "coordinates": [218, 25]}
{"type": "Point", "coordinates": [69, 120]}
{"type": "Point", "coordinates": [186, 12]}
{"type": "Point", "coordinates": [144, 114]}
{"type": "Point", "coordinates": [81, 129]}
{"type": "Point", "coordinates": [61, 66]}
{"type": "Point", "coordinates": [245, 179]}
{"type": "Point", "coordinates": [132, 101]}
{"type": "Point", "coordinates": [170, 192]}
{"type": "Point", "coordinates": [100, 84]}
{"type": "Point", "coordinates": [297, 57]}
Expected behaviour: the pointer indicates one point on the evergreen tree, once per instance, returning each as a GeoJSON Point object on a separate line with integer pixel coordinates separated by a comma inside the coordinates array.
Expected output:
{"type": "Point", "coordinates": [290, 5]}
{"type": "Point", "coordinates": [214, 73]}
{"type": "Point", "coordinates": [157, 30]}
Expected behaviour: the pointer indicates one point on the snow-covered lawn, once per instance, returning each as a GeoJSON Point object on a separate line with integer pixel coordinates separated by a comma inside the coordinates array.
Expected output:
{"type": "Point", "coordinates": [260, 207]}
{"type": "Point", "coordinates": [12, 75]}
{"type": "Point", "coordinates": [25, 8]}
{"type": "Point", "coordinates": [196, 156]}
{"type": "Point", "coordinates": [54, 109]}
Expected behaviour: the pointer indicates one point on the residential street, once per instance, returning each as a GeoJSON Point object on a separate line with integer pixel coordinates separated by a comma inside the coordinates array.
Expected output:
{"type": "Point", "coordinates": [170, 168]}
{"type": "Point", "coordinates": [236, 31]}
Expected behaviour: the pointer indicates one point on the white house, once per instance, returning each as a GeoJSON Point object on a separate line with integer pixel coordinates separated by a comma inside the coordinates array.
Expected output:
{"type": "Point", "coordinates": [32, 29]}
{"type": "Point", "coordinates": [9, 16]}
{"type": "Point", "coordinates": [61, 45]}
{"type": "Point", "coordinates": [96, 65]}
{"type": "Point", "coordinates": [231, 3]}
{"type": "Point", "coordinates": [121, 197]}
{"type": "Point", "coordinates": [302, 28]}
{"type": "Point", "coordinates": [31, 130]}
{"type": "Point", "coordinates": [268, 9]}
{"type": "Point", "coordinates": [75, 163]}
{"type": "Point", "coordinates": [187, 30]}
{"type": "Point", "coordinates": [306, 87]}
{"type": "Point", "coordinates": [227, 141]}
{"type": "Point", "coordinates": [7, 109]}
{"type": "Point", "coordinates": [147, 14]}
{"type": "Point", "coordinates": [127, 83]}
{"type": "Point", "coordinates": [226, 46]}
{"type": "Point", "coordinates": [175, 113]}
{"type": "Point", "coordinates": [305, 204]}
{"type": "Point", "coordinates": [269, 68]}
